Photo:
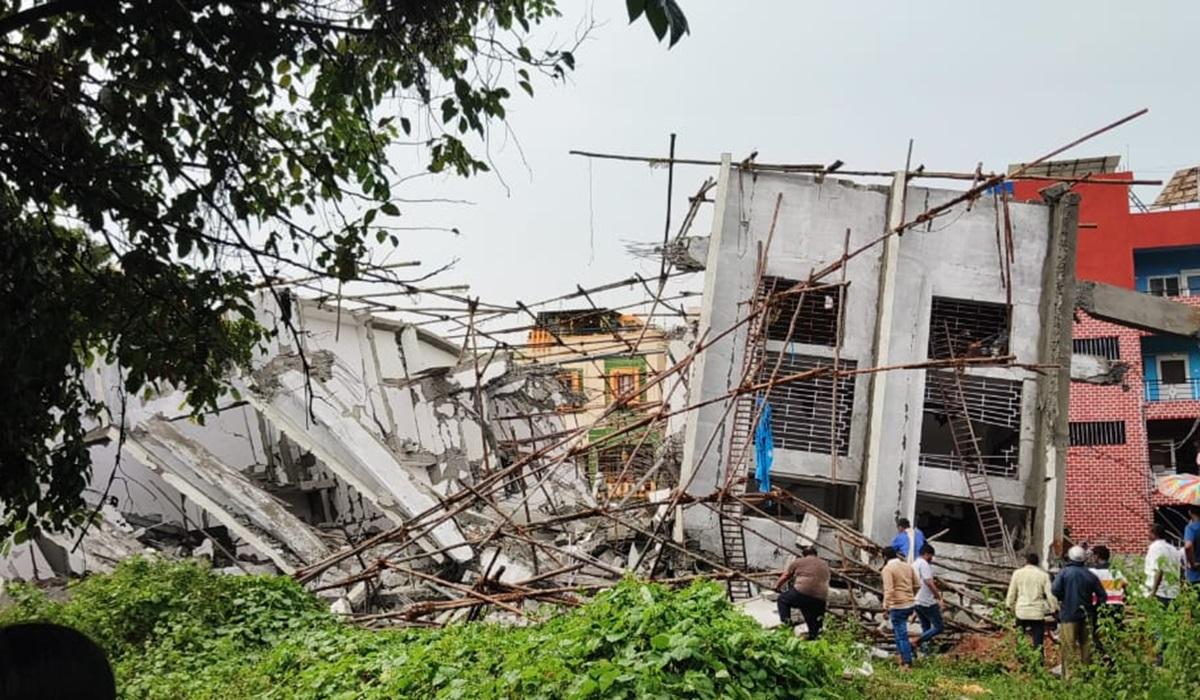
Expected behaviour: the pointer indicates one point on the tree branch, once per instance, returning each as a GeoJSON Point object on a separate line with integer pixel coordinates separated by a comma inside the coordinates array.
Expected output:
{"type": "Point", "coordinates": [46, 10]}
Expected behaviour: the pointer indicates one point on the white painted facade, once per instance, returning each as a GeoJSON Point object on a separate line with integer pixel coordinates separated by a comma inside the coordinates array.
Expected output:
{"type": "Point", "coordinates": [886, 322]}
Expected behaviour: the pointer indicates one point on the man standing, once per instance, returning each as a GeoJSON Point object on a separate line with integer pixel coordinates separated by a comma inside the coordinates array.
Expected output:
{"type": "Point", "coordinates": [1031, 599]}
{"type": "Point", "coordinates": [929, 599]}
{"type": "Point", "coordinates": [1191, 545]}
{"type": "Point", "coordinates": [1112, 606]}
{"type": "Point", "coordinates": [908, 540]}
{"type": "Point", "coordinates": [1075, 587]}
{"type": "Point", "coordinates": [900, 586]}
{"type": "Point", "coordinates": [804, 584]}
{"type": "Point", "coordinates": [1163, 562]}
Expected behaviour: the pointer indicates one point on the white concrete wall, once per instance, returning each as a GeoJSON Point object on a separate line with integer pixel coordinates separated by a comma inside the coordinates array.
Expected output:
{"type": "Point", "coordinates": [955, 256]}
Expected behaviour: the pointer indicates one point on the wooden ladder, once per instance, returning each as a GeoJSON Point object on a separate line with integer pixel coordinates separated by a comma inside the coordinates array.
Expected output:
{"type": "Point", "coordinates": [966, 446]}
{"type": "Point", "coordinates": [739, 458]}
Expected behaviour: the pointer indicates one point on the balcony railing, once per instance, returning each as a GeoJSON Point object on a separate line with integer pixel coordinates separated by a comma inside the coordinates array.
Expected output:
{"type": "Point", "coordinates": [1158, 390]}
{"type": "Point", "coordinates": [993, 465]}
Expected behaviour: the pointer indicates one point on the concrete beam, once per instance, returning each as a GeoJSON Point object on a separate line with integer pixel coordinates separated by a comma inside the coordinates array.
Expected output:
{"type": "Point", "coordinates": [232, 499]}
{"type": "Point", "coordinates": [335, 435]}
{"type": "Point", "coordinates": [1136, 310]}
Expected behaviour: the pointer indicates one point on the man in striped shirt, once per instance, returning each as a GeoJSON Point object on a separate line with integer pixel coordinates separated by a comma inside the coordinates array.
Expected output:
{"type": "Point", "coordinates": [1114, 582]}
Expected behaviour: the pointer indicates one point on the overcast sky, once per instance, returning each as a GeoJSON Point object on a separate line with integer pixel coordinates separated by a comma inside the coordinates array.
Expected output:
{"type": "Point", "coordinates": [801, 82]}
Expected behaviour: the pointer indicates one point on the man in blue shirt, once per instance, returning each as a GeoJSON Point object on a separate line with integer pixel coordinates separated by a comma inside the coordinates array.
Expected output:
{"type": "Point", "coordinates": [1075, 587]}
{"type": "Point", "coordinates": [908, 540]}
{"type": "Point", "coordinates": [1191, 546]}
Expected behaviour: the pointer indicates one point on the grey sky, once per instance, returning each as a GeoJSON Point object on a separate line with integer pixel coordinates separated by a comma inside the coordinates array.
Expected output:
{"type": "Point", "coordinates": [802, 82]}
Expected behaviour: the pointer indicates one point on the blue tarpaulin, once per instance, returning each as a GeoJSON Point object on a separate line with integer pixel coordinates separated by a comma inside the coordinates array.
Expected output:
{"type": "Point", "coordinates": [764, 448]}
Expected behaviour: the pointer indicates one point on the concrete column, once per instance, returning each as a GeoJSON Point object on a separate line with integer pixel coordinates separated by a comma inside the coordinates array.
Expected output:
{"type": "Point", "coordinates": [714, 321]}
{"type": "Point", "coordinates": [883, 481]}
{"type": "Point", "coordinates": [1057, 307]}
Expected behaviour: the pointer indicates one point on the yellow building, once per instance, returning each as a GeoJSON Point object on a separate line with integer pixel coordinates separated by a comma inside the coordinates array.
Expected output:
{"type": "Point", "coordinates": [603, 355]}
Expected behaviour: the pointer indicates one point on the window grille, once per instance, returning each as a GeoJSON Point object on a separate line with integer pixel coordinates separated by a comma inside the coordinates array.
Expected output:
{"type": "Point", "coordinates": [1097, 433]}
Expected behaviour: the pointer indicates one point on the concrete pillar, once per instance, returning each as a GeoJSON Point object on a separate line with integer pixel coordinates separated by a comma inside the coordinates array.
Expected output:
{"type": "Point", "coordinates": [884, 481]}
{"type": "Point", "coordinates": [714, 320]}
{"type": "Point", "coordinates": [1048, 487]}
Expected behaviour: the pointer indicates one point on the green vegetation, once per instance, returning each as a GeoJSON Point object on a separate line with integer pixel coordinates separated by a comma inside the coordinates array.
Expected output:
{"type": "Point", "coordinates": [1007, 668]}
{"type": "Point", "coordinates": [174, 630]}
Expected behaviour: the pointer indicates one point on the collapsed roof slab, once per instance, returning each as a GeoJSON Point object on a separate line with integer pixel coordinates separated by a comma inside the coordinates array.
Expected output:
{"type": "Point", "coordinates": [234, 500]}
{"type": "Point", "coordinates": [350, 450]}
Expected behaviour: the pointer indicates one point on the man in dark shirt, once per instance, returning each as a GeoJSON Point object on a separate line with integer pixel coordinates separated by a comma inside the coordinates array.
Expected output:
{"type": "Point", "coordinates": [1076, 587]}
{"type": "Point", "coordinates": [804, 584]}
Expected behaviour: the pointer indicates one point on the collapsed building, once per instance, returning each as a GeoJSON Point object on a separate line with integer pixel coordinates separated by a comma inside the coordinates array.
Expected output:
{"type": "Point", "coordinates": [358, 427]}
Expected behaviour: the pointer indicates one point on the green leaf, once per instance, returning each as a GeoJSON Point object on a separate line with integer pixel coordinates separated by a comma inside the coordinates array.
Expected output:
{"type": "Point", "coordinates": [656, 15]}
{"type": "Point", "coordinates": [660, 641]}
{"type": "Point", "coordinates": [389, 209]}
{"type": "Point", "coordinates": [635, 8]}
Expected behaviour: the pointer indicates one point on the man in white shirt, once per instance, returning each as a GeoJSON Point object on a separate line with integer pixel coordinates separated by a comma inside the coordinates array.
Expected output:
{"type": "Point", "coordinates": [929, 599]}
{"type": "Point", "coordinates": [1164, 562]}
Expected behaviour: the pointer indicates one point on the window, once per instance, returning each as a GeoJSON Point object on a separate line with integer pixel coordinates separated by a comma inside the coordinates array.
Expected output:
{"type": "Point", "coordinates": [804, 416]}
{"type": "Point", "coordinates": [994, 409]}
{"type": "Point", "coordinates": [1097, 433]}
{"type": "Point", "coordinates": [1191, 282]}
{"type": "Point", "coordinates": [1172, 369]}
{"type": "Point", "coordinates": [623, 381]}
{"type": "Point", "coordinates": [573, 397]}
{"type": "Point", "coordinates": [1106, 347]}
{"type": "Point", "coordinates": [1164, 286]}
{"type": "Point", "coordinates": [1173, 381]}
{"type": "Point", "coordinates": [626, 381]}
{"type": "Point", "coordinates": [802, 317]}
{"type": "Point", "coordinates": [964, 328]}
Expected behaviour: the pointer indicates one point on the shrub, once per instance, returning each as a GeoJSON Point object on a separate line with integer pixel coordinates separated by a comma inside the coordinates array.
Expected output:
{"type": "Point", "coordinates": [175, 630]}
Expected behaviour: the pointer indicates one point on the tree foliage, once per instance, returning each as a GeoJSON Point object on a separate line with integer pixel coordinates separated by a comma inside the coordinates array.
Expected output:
{"type": "Point", "coordinates": [161, 159]}
{"type": "Point", "coordinates": [174, 630]}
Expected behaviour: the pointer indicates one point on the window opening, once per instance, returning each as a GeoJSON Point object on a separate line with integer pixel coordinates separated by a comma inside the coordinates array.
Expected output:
{"type": "Point", "coordinates": [817, 321]}
{"type": "Point", "coordinates": [994, 409]}
{"type": "Point", "coordinates": [964, 328]}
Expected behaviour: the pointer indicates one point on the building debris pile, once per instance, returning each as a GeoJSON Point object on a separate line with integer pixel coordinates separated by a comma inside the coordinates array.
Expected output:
{"type": "Point", "coordinates": [416, 479]}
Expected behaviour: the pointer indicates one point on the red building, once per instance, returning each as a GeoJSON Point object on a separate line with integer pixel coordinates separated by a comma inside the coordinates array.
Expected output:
{"type": "Point", "coordinates": [1123, 437]}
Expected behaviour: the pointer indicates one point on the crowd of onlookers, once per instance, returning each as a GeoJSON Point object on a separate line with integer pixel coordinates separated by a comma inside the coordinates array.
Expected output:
{"type": "Point", "coordinates": [1085, 590]}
